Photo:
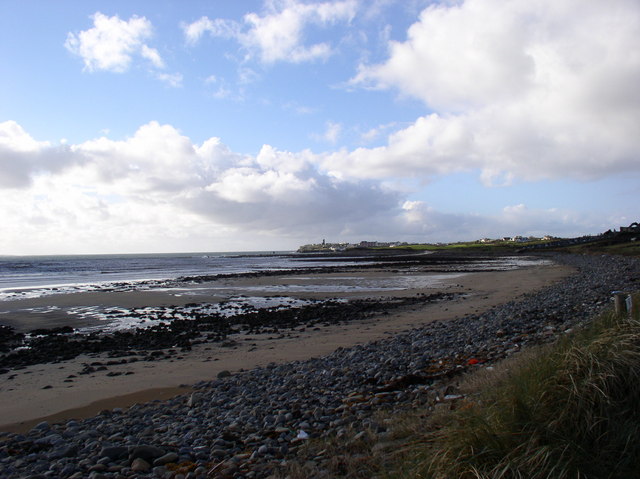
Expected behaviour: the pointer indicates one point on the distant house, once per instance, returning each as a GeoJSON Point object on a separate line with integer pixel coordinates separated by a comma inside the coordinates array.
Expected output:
{"type": "Point", "coordinates": [632, 228]}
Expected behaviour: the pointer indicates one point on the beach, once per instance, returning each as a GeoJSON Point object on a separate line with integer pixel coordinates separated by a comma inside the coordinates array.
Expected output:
{"type": "Point", "coordinates": [57, 391]}
{"type": "Point", "coordinates": [243, 403]}
{"type": "Point", "coordinates": [198, 392]}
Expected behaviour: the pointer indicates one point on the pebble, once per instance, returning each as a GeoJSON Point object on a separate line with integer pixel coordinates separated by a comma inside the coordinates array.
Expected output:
{"type": "Point", "coordinates": [248, 424]}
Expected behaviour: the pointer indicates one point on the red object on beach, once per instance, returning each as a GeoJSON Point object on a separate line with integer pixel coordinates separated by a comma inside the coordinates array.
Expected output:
{"type": "Point", "coordinates": [472, 361]}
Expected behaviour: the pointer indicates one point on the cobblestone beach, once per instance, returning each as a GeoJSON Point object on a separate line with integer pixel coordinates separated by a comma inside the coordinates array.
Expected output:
{"type": "Point", "coordinates": [246, 425]}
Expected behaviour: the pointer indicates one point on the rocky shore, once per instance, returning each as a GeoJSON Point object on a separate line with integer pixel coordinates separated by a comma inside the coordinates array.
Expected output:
{"type": "Point", "coordinates": [249, 424]}
{"type": "Point", "coordinates": [180, 328]}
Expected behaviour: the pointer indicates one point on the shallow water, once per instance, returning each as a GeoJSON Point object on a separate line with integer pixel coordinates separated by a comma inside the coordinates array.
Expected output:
{"type": "Point", "coordinates": [224, 299]}
{"type": "Point", "coordinates": [36, 276]}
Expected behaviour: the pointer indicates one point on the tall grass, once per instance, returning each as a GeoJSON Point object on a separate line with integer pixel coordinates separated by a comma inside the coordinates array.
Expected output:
{"type": "Point", "coordinates": [572, 412]}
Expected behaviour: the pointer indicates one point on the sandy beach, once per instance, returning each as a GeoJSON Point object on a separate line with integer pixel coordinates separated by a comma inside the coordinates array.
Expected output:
{"type": "Point", "coordinates": [56, 391]}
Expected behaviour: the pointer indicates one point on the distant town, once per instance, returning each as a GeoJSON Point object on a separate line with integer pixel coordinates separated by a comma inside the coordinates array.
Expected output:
{"type": "Point", "coordinates": [629, 232]}
{"type": "Point", "coordinates": [324, 246]}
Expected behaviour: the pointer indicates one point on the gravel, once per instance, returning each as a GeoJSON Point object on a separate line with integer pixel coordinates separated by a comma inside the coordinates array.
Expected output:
{"type": "Point", "coordinates": [246, 425]}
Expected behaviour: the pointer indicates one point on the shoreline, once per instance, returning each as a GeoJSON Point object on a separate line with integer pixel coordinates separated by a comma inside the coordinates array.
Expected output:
{"type": "Point", "coordinates": [46, 391]}
{"type": "Point", "coordinates": [250, 423]}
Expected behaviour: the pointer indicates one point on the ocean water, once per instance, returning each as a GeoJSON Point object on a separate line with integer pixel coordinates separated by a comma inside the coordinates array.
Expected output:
{"type": "Point", "coordinates": [34, 276]}
{"type": "Point", "coordinates": [31, 273]}
{"type": "Point", "coordinates": [41, 276]}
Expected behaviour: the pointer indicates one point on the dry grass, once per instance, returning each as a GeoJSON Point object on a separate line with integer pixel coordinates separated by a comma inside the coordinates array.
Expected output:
{"type": "Point", "coordinates": [572, 411]}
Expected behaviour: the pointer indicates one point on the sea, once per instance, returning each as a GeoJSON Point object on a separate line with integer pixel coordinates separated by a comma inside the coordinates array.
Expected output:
{"type": "Point", "coordinates": [32, 275]}
{"type": "Point", "coordinates": [28, 277]}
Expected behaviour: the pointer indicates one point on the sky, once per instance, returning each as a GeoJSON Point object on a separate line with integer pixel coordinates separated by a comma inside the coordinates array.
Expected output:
{"type": "Point", "coordinates": [216, 125]}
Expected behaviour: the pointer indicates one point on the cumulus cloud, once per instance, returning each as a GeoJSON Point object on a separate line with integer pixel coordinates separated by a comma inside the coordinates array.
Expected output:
{"type": "Point", "coordinates": [21, 156]}
{"type": "Point", "coordinates": [430, 146]}
{"type": "Point", "coordinates": [529, 89]}
{"type": "Point", "coordinates": [421, 220]}
{"type": "Point", "coordinates": [158, 190]}
{"type": "Point", "coordinates": [112, 43]}
{"type": "Point", "coordinates": [278, 33]}
{"type": "Point", "coordinates": [217, 27]}
{"type": "Point", "coordinates": [374, 133]}
{"type": "Point", "coordinates": [159, 183]}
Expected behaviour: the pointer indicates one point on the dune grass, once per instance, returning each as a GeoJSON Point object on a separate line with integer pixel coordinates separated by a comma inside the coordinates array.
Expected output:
{"type": "Point", "coordinates": [628, 248]}
{"type": "Point", "coordinates": [569, 411]}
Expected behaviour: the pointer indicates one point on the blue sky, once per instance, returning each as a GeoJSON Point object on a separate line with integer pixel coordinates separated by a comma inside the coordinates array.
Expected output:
{"type": "Point", "coordinates": [158, 126]}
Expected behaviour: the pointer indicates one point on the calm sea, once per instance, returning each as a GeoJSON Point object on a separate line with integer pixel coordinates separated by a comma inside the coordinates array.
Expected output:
{"type": "Point", "coordinates": [33, 276]}
{"type": "Point", "coordinates": [26, 272]}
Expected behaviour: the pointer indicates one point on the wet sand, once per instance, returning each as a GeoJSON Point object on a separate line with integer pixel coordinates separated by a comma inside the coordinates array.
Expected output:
{"type": "Point", "coordinates": [46, 391]}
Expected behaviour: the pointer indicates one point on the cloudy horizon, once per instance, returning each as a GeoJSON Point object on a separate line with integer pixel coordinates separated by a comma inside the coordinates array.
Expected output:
{"type": "Point", "coordinates": [140, 127]}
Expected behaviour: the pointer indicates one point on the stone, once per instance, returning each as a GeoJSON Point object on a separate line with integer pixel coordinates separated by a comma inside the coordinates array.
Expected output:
{"type": "Point", "coordinates": [42, 426]}
{"type": "Point", "coordinates": [193, 400]}
{"type": "Point", "coordinates": [263, 410]}
{"type": "Point", "coordinates": [218, 453]}
{"type": "Point", "coordinates": [114, 452]}
{"type": "Point", "coordinates": [146, 452]}
{"type": "Point", "coordinates": [140, 465]}
{"type": "Point", "coordinates": [166, 459]}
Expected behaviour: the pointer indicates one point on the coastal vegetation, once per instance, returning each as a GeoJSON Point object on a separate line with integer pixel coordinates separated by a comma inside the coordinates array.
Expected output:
{"type": "Point", "coordinates": [625, 248]}
{"type": "Point", "coordinates": [623, 242]}
{"type": "Point", "coordinates": [566, 410]}
{"type": "Point", "coordinates": [604, 246]}
{"type": "Point", "coordinates": [496, 245]}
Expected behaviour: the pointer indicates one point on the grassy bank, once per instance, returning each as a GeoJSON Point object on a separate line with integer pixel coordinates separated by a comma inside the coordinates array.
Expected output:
{"type": "Point", "coordinates": [497, 246]}
{"type": "Point", "coordinates": [611, 246]}
{"type": "Point", "coordinates": [566, 410]}
{"type": "Point", "coordinates": [627, 248]}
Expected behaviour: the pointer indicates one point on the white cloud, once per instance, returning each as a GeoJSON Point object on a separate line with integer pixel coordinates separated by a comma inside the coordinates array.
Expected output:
{"type": "Point", "coordinates": [372, 134]}
{"type": "Point", "coordinates": [217, 27]}
{"type": "Point", "coordinates": [152, 55]}
{"type": "Point", "coordinates": [278, 34]}
{"type": "Point", "coordinates": [419, 218]}
{"type": "Point", "coordinates": [158, 191]}
{"type": "Point", "coordinates": [14, 137]}
{"type": "Point", "coordinates": [529, 89]}
{"type": "Point", "coordinates": [222, 90]}
{"type": "Point", "coordinates": [247, 75]}
{"type": "Point", "coordinates": [298, 108]}
{"type": "Point", "coordinates": [112, 43]}
{"type": "Point", "coordinates": [331, 134]}
{"type": "Point", "coordinates": [432, 145]}
{"type": "Point", "coordinates": [21, 156]}
{"type": "Point", "coordinates": [172, 79]}
{"type": "Point", "coordinates": [159, 185]}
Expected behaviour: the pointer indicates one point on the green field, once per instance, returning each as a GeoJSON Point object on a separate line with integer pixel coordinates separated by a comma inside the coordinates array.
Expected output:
{"type": "Point", "coordinates": [469, 245]}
